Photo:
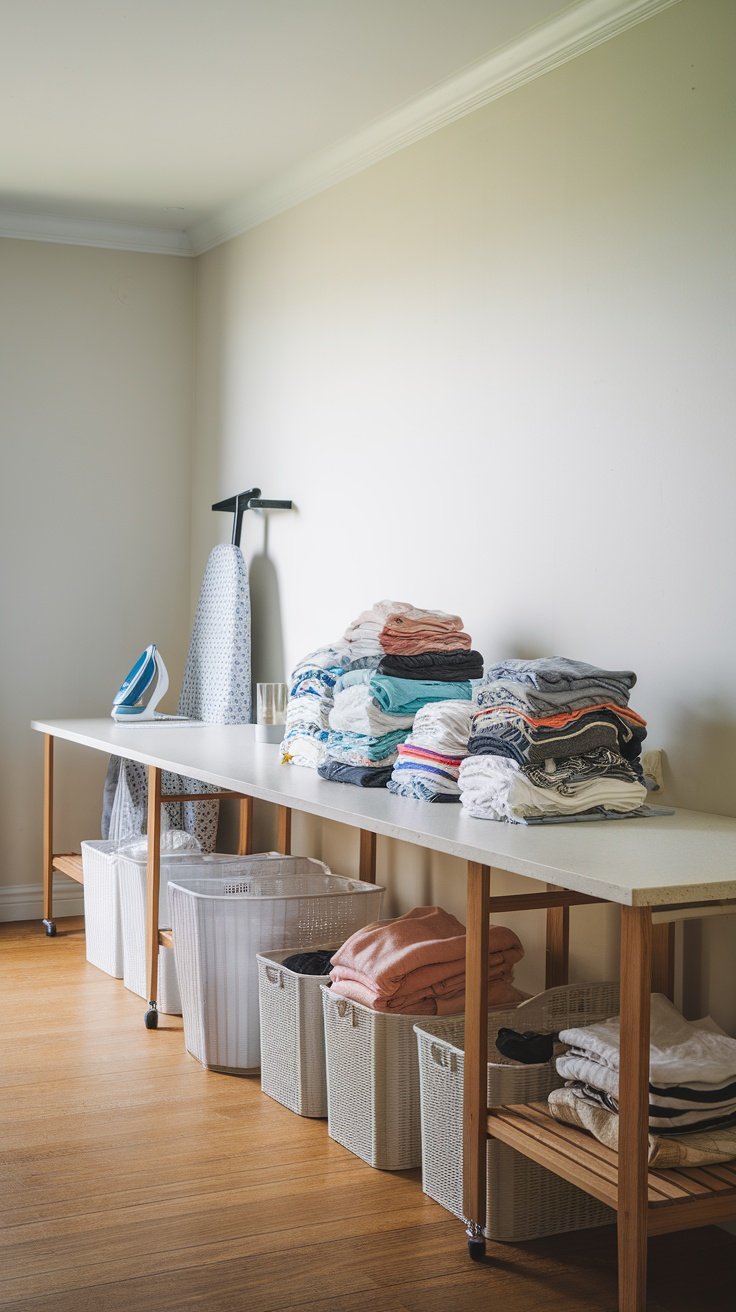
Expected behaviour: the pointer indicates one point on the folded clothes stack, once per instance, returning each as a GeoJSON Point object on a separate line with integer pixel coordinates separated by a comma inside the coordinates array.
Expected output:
{"type": "Point", "coordinates": [692, 1085]}
{"type": "Point", "coordinates": [415, 965]}
{"type": "Point", "coordinates": [373, 710]}
{"type": "Point", "coordinates": [308, 706]}
{"type": "Point", "coordinates": [554, 739]}
{"type": "Point", "coordinates": [429, 761]}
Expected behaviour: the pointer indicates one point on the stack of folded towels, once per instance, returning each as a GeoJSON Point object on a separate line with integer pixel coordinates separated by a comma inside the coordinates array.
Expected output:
{"type": "Point", "coordinates": [415, 965]}
{"type": "Point", "coordinates": [422, 656]}
{"type": "Point", "coordinates": [692, 1086]}
{"type": "Point", "coordinates": [554, 739]}
{"type": "Point", "coordinates": [429, 761]}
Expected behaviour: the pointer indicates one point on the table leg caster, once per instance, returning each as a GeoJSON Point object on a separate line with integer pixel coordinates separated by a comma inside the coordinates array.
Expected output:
{"type": "Point", "coordinates": [476, 1241]}
{"type": "Point", "coordinates": [151, 1017]}
{"type": "Point", "coordinates": [50, 927]}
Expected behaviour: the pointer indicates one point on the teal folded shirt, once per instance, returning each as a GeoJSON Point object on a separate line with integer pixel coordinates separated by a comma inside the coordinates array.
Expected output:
{"type": "Point", "coordinates": [405, 696]}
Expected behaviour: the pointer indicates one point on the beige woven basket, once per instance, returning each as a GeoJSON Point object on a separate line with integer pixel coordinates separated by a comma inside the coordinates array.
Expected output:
{"type": "Point", "coordinates": [292, 1035]}
{"type": "Point", "coordinates": [524, 1201]}
{"type": "Point", "coordinates": [373, 1082]}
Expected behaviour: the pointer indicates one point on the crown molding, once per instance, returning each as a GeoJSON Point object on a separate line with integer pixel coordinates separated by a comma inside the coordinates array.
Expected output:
{"type": "Point", "coordinates": [89, 232]}
{"type": "Point", "coordinates": [564, 38]}
{"type": "Point", "coordinates": [25, 901]}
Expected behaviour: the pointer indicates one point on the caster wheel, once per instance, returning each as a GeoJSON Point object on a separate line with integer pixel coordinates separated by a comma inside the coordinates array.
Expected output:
{"type": "Point", "coordinates": [477, 1249]}
{"type": "Point", "coordinates": [151, 1020]}
{"type": "Point", "coordinates": [50, 928]}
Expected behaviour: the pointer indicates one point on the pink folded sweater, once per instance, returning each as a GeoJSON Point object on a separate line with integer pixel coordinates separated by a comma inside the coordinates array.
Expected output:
{"type": "Point", "coordinates": [418, 951]}
{"type": "Point", "coordinates": [501, 993]}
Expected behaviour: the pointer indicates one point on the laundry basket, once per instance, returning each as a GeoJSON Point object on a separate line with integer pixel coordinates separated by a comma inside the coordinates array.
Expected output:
{"type": "Point", "coordinates": [132, 883]}
{"type": "Point", "coordinates": [292, 1035]}
{"type": "Point", "coordinates": [103, 932]}
{"type": "Point", "coordinates": [220, 925]}
{"type": "Point", "coordinates": [373, 1082]}
{"type": "Point", "coordinates": [524, 1201]}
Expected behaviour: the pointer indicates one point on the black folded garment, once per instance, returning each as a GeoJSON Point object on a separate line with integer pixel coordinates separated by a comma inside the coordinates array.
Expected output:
{"type": "Point", "coordinates": [310, 963]}
{"type": "Point", "coordinates": [446, 666]}
{"type": "Point", "coordinates": [365, 776]}
{"type": "Point", "coordinates": [526, 1046]}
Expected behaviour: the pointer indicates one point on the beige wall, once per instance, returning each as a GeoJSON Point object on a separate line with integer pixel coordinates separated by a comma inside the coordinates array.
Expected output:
{"type": "Point", "coordinates": [495, 374]}
{"type": "Point", "coordinates": [96, 409]}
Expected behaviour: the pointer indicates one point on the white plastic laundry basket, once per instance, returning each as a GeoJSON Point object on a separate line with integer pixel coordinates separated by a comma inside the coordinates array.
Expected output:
{"type": "Point", "coordinates": [524, 1201]}
{"type": "Point", "coordinates": [221, 925]}
{"type": "Point", "coordinates": [292, 1035]}
{"type": "Point", "coordinates": [102, 921]}
{"type": "Point", "coordinates": [373, 1082]}
{"type": "Point", "coordinates": [132, 881]}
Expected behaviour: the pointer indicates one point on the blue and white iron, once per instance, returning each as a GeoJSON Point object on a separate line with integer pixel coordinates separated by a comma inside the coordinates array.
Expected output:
{"type": "Point", "coordinates": [127, 705]}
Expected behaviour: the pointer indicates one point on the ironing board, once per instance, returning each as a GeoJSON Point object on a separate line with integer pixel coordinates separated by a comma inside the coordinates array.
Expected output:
{"type": "Point", "coordinates": [216, 690]}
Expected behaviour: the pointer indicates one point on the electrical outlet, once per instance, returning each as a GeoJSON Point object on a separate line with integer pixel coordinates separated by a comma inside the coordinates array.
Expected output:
{"type": "Point", "coordinates": [651, 764]}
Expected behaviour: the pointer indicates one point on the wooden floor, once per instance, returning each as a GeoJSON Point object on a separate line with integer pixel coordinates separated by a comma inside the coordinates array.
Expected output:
{"type": "Point", "coordinates": [131, 1180]}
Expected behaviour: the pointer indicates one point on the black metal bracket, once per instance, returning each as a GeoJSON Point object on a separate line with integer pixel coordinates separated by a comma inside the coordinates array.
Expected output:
{"type": "Point", "coordinates": [250, 500]}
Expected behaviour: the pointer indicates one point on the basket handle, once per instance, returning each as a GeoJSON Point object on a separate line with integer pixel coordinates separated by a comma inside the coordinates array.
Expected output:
{"type": "Point", "coordinates": [342, 1005]}
{"type": "Point", "coordinates": [274, 976]}
{"type": "Point", "coordinates": [441, 1057]}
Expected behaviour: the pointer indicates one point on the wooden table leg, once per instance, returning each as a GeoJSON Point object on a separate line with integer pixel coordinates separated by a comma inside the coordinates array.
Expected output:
{"type": "Point", "coordinates": [367, 867]}
{"type": "Point", "coordinates": [245, 827]}
{"type": "Point", "coordinates": [475, 1085]}
{"type": "Point", "coordinates": [663, 959]}
{"type": "Point", "coordinates": [558, 946]}
{"type": "Point", "coordinates": [153, 881]}
{"type": "Point", "coordinates": [48, 922]}
{"type": "Point", "coordinates": [636, 975]}
{"type": "Point", "coordinates": [283, 830]}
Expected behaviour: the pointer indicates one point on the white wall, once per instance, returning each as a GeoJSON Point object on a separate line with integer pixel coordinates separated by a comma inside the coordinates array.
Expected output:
{"type": "Point", "coordinates": [495, 373]}
{"type": "Point", "coordinates": [96, 376]}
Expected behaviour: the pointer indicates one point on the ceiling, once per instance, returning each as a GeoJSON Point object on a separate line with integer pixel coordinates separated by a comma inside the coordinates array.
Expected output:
{"type": "Point", "coordinates": [185, 121]}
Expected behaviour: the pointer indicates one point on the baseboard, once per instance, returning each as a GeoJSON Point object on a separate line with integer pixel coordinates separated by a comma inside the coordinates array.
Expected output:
{"type": "Point", "coordinates": [25, 901]}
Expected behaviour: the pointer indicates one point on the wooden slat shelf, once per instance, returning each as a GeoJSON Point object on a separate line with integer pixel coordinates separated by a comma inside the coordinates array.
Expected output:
{"type": "Point", "coordinates": [70, 864]}
{"type": "Point", "coordinates": [677, 1199]}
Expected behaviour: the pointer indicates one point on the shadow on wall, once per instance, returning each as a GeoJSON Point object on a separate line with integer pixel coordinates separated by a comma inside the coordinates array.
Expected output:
{"type": "Point", "coordinates": [267, 630]}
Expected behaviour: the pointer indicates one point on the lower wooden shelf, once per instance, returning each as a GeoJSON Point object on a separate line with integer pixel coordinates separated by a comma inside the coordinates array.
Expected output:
{"type": "Point", "coordinates": [70, 864]}
{"type": "Point", "coordinates": [678, 1199]}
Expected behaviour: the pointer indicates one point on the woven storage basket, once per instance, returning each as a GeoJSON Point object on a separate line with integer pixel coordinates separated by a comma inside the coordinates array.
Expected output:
{"type": "Point", "coordinates": [103, 932]}
{"type": "Point", "coordinates": [220, 925]}
{"type": "Point", "coordinates": [524, 1201]}
{"type": "Point", "coordinates": [292, 1035]}
{"type": "Point", "coordinates": [373, 1082]}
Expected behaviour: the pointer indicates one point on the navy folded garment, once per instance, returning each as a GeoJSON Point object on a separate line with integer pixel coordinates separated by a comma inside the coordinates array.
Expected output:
{"type": "Point", "coordinates": [309, 963]}
{"type": "Point", "coordinates": [526, 1046]}
{"type": "Point", "coordinates": [365, 776]}
{"type": "Point", "coordinates": [446, 666]}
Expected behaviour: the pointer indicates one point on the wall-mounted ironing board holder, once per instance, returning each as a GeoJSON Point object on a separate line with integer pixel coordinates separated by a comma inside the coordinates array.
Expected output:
{"type": "Point", "coordinates": [250, 500]}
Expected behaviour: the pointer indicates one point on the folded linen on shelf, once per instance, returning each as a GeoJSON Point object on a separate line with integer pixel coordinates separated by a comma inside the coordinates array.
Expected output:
{"type": "Point", "coordinates": [505, 731]}
{"type": "Point", "coordinates": [443, 726]}
{"type": "Point", "coordinates": [360, 749]}
{"type": "Point", "coordinates": [449, 666]}
{"type": "Point", "coordinates": [356, 711]}
{"type": "Point", "coordinates": [407, 696]}
{"type": "Point", "coordinates": [692, 1068]}
{"type": "Point", "coordinates": [496, 788]}
{"type": "Point", "coordinates": [363, 776]}
{"type": "Point", "coordinates": [553, 685]}
{"type": "Point", "coordinates": [696, 1148]}
{"type": "Point", "coordinates": [413, 630]}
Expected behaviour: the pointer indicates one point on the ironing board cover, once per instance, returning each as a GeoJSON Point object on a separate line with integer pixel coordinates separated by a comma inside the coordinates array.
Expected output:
{"type": "Point", "coordinates": [216, 689]}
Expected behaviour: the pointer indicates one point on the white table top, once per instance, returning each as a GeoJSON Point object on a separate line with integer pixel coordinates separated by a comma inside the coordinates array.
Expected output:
{"type": "Point", "coordinates": [668, 860]}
